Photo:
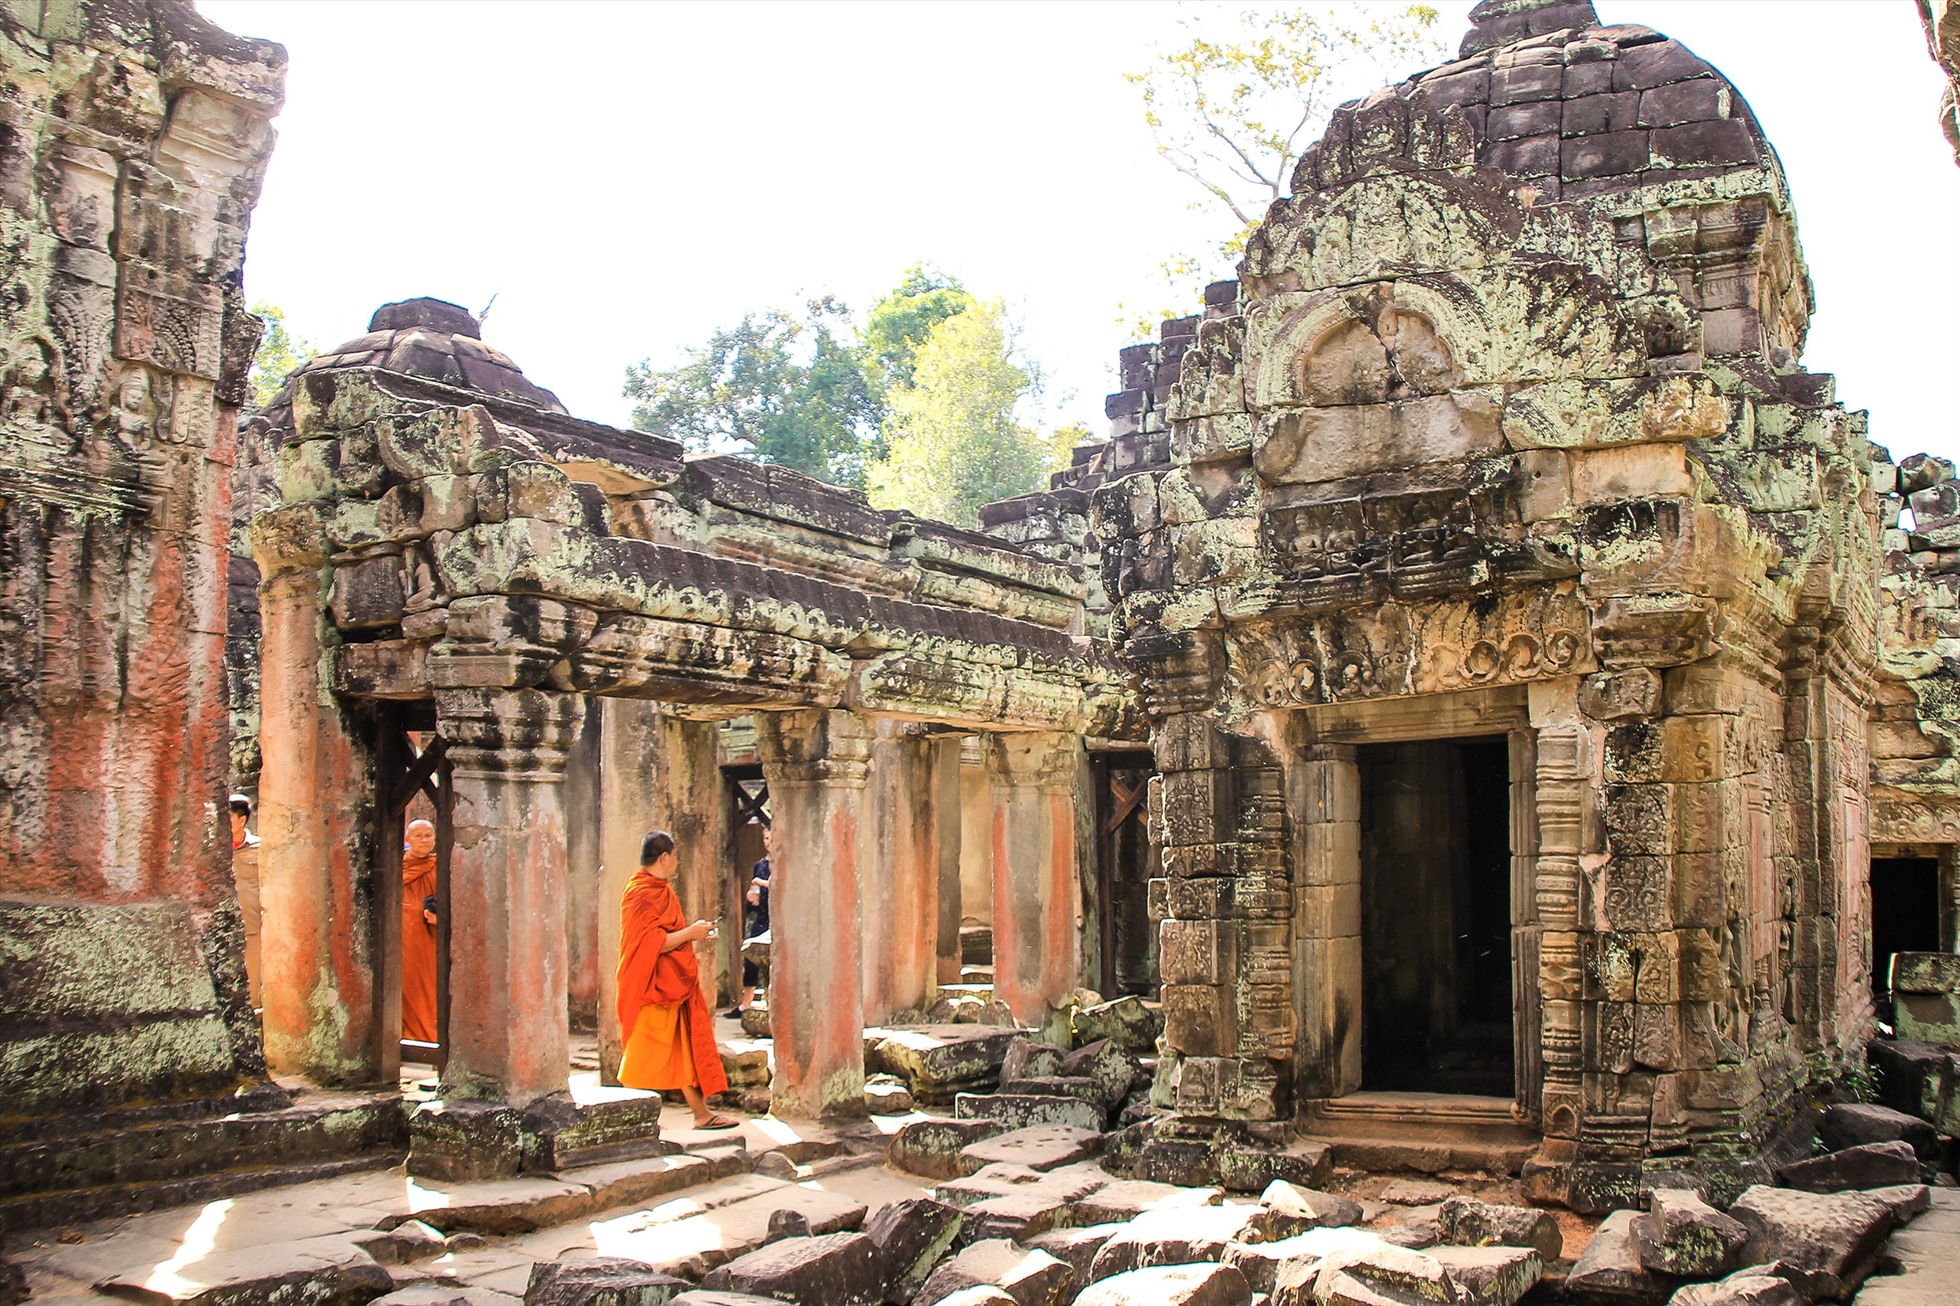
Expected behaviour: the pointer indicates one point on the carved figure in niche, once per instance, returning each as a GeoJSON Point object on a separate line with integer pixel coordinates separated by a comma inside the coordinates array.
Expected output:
{"type": "Point", "coordinates": [419, 578]}
{"type": "Point", "coordinates": [33, 392]}
{"type": "Point", "coordinates": [133, 415]}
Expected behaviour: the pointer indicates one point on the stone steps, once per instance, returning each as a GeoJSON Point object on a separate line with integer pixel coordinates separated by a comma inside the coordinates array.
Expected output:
{"type": "Point", "coordinates": [125, 1164]}
{"type": "Point", "coordinates": [1422, 1133]}
{"type": "Point", "coordinates": [46, 1210]}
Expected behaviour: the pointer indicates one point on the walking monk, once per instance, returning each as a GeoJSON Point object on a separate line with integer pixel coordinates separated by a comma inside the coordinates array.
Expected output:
{"type": "Point", "coordinates": [663, 1015]}
{"type": "Point", "coordinates": [419, 934]}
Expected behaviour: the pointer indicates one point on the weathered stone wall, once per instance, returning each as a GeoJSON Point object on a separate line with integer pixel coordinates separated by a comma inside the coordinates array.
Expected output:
{"type": "Point", "coordinates": [133, 139]}
{"type": "Point", "coordinates": [1505, 433]}
{"type": "Point", "coordinates": [1941, 19]}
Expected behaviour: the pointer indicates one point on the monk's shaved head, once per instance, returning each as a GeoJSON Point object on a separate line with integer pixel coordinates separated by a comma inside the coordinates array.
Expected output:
{"type": "Point", "coordinates": [425, 825]}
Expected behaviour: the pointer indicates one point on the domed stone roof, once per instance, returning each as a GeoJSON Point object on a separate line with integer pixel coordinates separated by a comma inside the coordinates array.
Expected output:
{"type": "Point", "coordinates": [1574, 108]}
{"type": "Point", "coordinates": [437, 341]}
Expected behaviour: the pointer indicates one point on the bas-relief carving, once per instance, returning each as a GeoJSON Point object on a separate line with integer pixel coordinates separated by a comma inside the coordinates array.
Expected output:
{"type": "Point", "coordinates": [1437, 647]}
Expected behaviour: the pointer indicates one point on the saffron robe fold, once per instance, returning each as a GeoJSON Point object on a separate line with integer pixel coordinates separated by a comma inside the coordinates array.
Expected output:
{"type": "Point", "coordinates": [663, 988]}
{"type": "Point", "coordinates": [418, 950]}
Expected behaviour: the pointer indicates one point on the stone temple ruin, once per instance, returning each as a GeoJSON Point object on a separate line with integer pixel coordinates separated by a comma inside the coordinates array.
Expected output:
{"type": "Point", "coordinates": [1485, 707]}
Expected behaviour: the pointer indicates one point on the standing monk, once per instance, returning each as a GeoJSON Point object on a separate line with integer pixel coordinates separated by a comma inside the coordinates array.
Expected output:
{"type": "Point", "coordinates": [419, 934]}
{"type": "Point", "coordinates": [663, 1016]}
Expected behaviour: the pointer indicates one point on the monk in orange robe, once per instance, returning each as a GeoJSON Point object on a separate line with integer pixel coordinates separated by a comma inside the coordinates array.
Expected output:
{"type": "Point", "coordinates": [419, 934]}
{"type": "Point", "coordinates": [663, 1015]}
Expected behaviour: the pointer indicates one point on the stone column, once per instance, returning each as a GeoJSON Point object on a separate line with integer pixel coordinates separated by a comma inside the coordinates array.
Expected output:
{"type": "Point", "coordinates": [900, 903]}
{"type": "Point", "coordinates": [1326, 800]}
{"type": "Point", "coordinates": [1036, 934]}
{"type": "Point", "coordinates": [584, 888]}
{"type": "Point", "coordinates": [316, 799]}
{"type": "Point", "coordinates": [947, 830]}
{"type": "Point", "coordinates": [507, 891]}
{"type": "Point", "coordinates": [658, 772]}
{"type": "Point", "coordinates": [817, 765]}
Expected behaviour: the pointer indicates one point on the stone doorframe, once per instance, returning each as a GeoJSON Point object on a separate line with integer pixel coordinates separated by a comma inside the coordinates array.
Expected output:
{"type": "Point", "coordinates": [1323, 793]}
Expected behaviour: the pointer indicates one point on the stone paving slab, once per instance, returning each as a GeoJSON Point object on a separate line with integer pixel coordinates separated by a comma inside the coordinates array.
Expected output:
{"type": "Point", "coordinates": [1927, 1251]}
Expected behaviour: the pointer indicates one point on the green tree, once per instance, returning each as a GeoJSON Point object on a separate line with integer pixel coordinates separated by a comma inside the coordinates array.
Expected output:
{"type": "Point", "coordinates": [1232, 111]}
{"type": "Point", "coordinates": [953, 441]}
{"type": "Point", "coordinates": [280, 351]}
{"type": "Point", "coordinates": [899, 323]}
{"type": "Point", "coordinates": [775, 387]}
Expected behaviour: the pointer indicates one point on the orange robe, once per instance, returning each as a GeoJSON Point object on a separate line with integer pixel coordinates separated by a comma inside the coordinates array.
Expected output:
{"type": "Point", "coordinates": [663, 1015]}
{"type": "Point", "coordinates": [418, 950]}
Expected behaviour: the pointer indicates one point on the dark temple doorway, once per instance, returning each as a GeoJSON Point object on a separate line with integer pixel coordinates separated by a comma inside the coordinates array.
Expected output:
{"type": "Point", "coordinates": [1905, 918]}
{"type": "Point", "coordinates": [1436, 916]}
{"type": "Point", "coordinates": [1125, 863]}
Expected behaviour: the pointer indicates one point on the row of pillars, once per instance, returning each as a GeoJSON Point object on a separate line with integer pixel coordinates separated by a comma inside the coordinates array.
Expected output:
{"type": "Point", "coordinates": [867, 818]}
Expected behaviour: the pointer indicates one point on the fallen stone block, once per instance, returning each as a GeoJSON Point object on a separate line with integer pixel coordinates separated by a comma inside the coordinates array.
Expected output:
{"type": "Point", "coordinates": [1178, 1236]}
{"type": "Point", "coordinates": [839, 1269]}
{"type": "Point", "coordinates": [1082, 1089]}
{"type": "Point", "coordinates": [932, 1147]}
{"type": "Point", "coordinates": [1490, 1276]}
{"type": "Point", "coordinates": [1909, 1074]}
{"type": "Point", "coordinates": [1467, 1222]}
{"type": "Point", "coordinates": [788, 1224]}
{"type": "Point", "coordinates": [1416, 1192]}
{"type": "Point", "coordinates": [746, 1063]}
{"type": "Point", "coordinates": [1926, 996]}
{"type": "Point", "coordinates": [911, 1236]}
{"type": "Point", "coordinates": [1171, 1285]}
{"type": "Point", "coordinates": [1109, 1065]}
{"type": "Point", "coordinates": [1128, 1198]}
{"type": "Point", "coordinates": [1746, 1287]}
{"type": "Point", "coordinates": [1868, 1165]}
{"type": "Point", "coordinates": [601, 1281]}
{"type": "Point", "coordinates": [463, 1142]}
{"type": "Point", "coordinates": [1028, 1058]}
{"type": "Point", "coordinates": [1291, 1266]}
{"type": "Point", "coordinates": [1028, 1275]}
{"type": "Point", "coordinates": [1040, 1147]}
{"type": "Point", "coordinates": [1610, 1266]}
{"type": "Point", "coordinates": [1018, 1216]}
{"type": "Point", "coordinates": [1004, 1179]}
{"type": "Point", "coordinates": [1380, 1275]}
{"type": "Point", "coordinates": [327, 1271]}
{"type": "Point", "coordinates": [1831, 1239]}
{"type": "Point", "coordinates": [887, 1095]}
{"type": "Point", "coordinates": [406, 1243]}
{"type": "Point", "coordinates": [980, 1294]}
{"type": "Point", "coordinates": [1128, 1022]}
{"type": "Point", "coordinates": [1852, 1124]}
{"type": "Point", "coordinates": [1682, 1235]}
{"type": "Point", "coordinates": [1076, 1247]}
{"type": "Point", "coordinates": [1189, 1162]}
{"type": "Point", "coordinates": [1906, 1200]}
{"type": "Point", "coordinates": [1295, 1209]}
{"type": "Point", "coordinates": [708, 1297]}
{"type": "Point", "coordinates": [1251, 1169]}
{"type": "Point", "coordinates": [443, 1294]}
{"type": "Point", "coordinates": [1023, 1110]}
{"type": "Point", "coordinates": [938, 1061]}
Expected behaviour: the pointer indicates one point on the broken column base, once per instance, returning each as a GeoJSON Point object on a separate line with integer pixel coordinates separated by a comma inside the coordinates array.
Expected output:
{"type": "Point", "coordinates": [460, 1141]}
{"type": "Point", "coordinates": [1203, 1151]}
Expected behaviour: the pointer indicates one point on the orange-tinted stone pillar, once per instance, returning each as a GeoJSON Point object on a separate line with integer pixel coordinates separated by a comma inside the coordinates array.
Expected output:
{"type": "Point", "coordinates": [1036, 930]}
{"type": "Point", "coordinates": [817, 764]}
{"type": "Point", "coordinates": [316, 793]}
{"type": "Point", "coordinates": [507, 892]}
{"type": "Point", "coordinates": [900, 903]}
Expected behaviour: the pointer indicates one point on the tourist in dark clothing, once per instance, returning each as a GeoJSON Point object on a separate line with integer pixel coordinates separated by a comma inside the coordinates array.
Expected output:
{"type": "Point", "coordinates": [757, 897]}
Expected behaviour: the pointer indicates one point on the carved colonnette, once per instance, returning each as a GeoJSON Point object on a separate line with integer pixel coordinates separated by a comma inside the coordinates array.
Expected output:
{"type": "Point", "coordinates": [1496, 425]}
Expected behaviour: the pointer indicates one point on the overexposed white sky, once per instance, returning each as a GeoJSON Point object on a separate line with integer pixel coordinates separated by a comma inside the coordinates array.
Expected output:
{"type": "Point", "coordinates": [625, 178]}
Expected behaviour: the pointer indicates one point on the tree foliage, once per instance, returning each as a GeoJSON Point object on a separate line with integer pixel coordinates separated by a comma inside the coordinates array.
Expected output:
{"type": "Point", "coordinates": [953, 439]}
{"type": "Point", "coordinates": [1232, 109]}
{"type": "Point", "coordinates": [899, 323]}
{"type": "Point", "coordinates": [280, 351]}
{"type": "Point", "coordinates": [919, 407]}
{"type": "Point", "coordinates": [778, 387]}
